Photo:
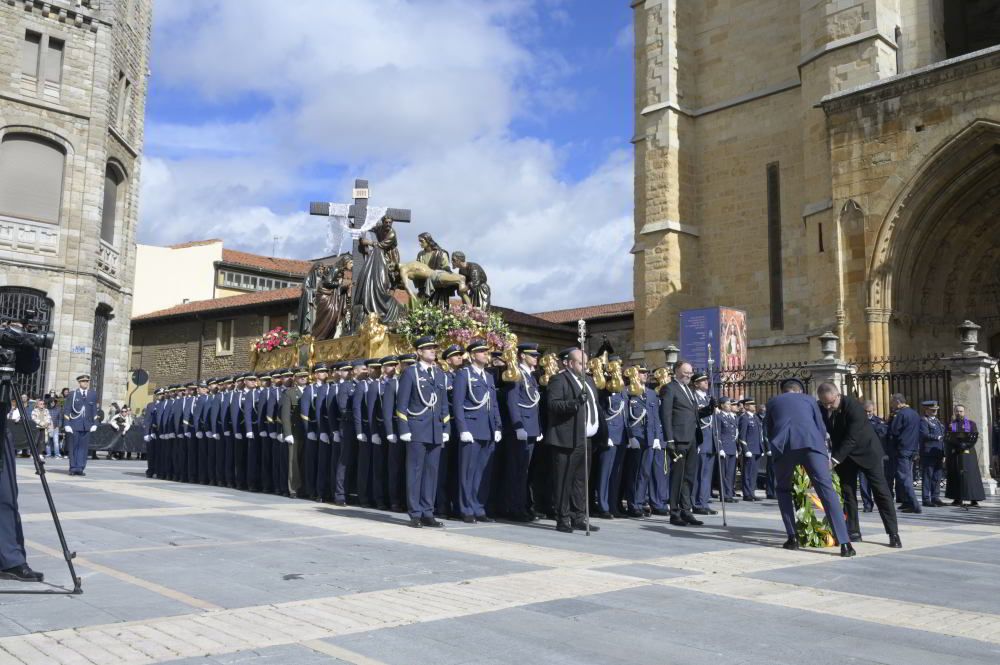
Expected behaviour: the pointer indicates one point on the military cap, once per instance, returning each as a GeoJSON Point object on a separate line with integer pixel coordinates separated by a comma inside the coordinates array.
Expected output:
{"type": "Point", "coordinates": [249, 375]}
{"type": "Point", "coordinates": [749, 401]}
{"type": "Point", "coordinates": [932, 403]}
{"type": "Point", "coordinates": [425, 342]}
{"type": "Point", "coordinates": [642, 369]}
{"type": "Point", "coordinates": [614, 357]}
{"type": "Point", "coordinates": [212, 382]}
{"type": "Point", "coordinates": [191, 384]}
{"type": "Point", "coordinates": [203, 384]}
{"type": "Point", "coordinates": [159, 391]}
{"type": "Point", "coordinates": [321, 367]}
{"type": "Point", "coordinates": [286, 372]}
{"type": "Point", "coordinates": [725, 400]}
{"type": "Point", "coordinates": [265, 376]}
{"type": "Point", "coordinates": [83, 377]}
{"type": "Point", "coordinates": [408, 358]}
{"type": "Point", "coordinates": [477, 345]}
{"type": "Point", "coordinates": [389, 360]}
{"type": "Point", "coordinates": [301, 371]}
{"type": "Point", "coordinates": [786, 383]}
{"type": "Point", "coordinates": [564, 354]}
{"type": "Point", "coordinates": [374, 362]}
{"type": "Point", "coordinates": [529, 348]}
{"type": "Point", "coordinates": [358, 363]}
{"type": "Point", "coordinates": [496, 354]}
{"type": "Point", "coordinates": [340, 365]}
{"type": "Point", "coordinates": [453, 350]}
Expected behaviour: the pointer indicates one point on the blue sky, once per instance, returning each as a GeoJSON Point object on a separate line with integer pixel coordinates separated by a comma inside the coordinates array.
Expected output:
{"type": "Point", "coordinates": [503, 124]}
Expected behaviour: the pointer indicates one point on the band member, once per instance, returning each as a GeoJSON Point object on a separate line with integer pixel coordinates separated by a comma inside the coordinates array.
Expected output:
{"type": "Point", "coordinates": [238, 422]}
{"type": "Point", "coordinates": [202, 433]}
{"type": "Point", "coordinates": [751, 440]}
{"type": "Point", "coordinates": [931, 455]}
{"type": "Point", "coordinates": [390, 446]}
{"type": "Point", "coordinates": [446, 500]}
{"type": "Point", "coordinates": [423, 419]}
{"type": "Point", "coordinates": [522, 399]}
{"type": "Point", "coordinates": [727, 436]}
{"type": "Point", "coordinates": [644, 431]}
{"type": "Point", "coordinates": [252, 405]}
{"type": "Point", "coordinates": [610, 459]}
{"type": "Point", "coordinates": [477, 421]}
{"type": "Point", "coordinates": [573, 422]}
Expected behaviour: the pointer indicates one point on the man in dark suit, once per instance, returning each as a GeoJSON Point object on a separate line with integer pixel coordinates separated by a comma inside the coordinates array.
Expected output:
{"type": "Point", "coordinates": [574, 420]}
{"type": "Point", "coordinates": [798, 437]}
{"type": "Point", "coordinates": [679, 416]}
{"type": "Point", "coordinates": [856, 447]}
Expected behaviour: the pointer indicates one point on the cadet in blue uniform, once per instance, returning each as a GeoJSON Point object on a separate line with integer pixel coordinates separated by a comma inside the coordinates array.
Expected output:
{"type": "Point", "coordinates": [645, 433]}
{"type": "Point", "coordinates": [312, 411]}
{"type": "Point", "coordinates": [201, 426]}
{"type": "Point", "coordinates": [385, 408]}
{"type": "Point", "coordinates": [931, 454]}
{"type": "Point", "coordinates": [904, 444]}
{"type": "Point", "coordinates": [610, 459]}
{"type": "Point", "coordinates": [226, 463]}
{"type": "Point", "coordinates": [446, 500]}
{"type": "Point", "coordinates": [707, 450]}
{"type": "Point", "coordinates": [79, 420]}
{"type": "Point", "coordinates": [365, 407]}
{"type": "Point", "coordinates": [340, 373]}
{"type": "Point", "coordinates": [881, 431]}
{"type": "Point", "coordinates": [727, 433]}
{"type": "Point", "coordinates": [152, 430]}
{"type": "Point", "coordinates": [283, 380]}
{"type": "Point", "coordinates": [752, 442]}
{"type": "Point", "coordinates": [762, 417]}
{"type": "Point", "coordinates": [348, 443]}
{"type": "Point", "coordinates": [422, 418]}
{"type": "Point", "coordinates": [521, 399]}
{"type": "Point", "coordinates": [477, 422]}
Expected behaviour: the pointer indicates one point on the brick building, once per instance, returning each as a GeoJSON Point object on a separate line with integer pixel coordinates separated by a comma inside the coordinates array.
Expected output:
{"type": "Point", "coordinates": [613, 323]}
{"type": "Point", "coordinates": [72, 103]}
{"type": "Point", "coordinates": [822, 164]}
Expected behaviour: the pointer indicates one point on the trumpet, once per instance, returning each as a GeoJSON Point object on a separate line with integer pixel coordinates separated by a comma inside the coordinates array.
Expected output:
{"type": "Point", "coordinates": [635, 386]}
{"type": "Point", "coordinates": [550, 367]}
{"type": "Point", "coordinates": [616, 382]}
{"type": "Point", "coordinates": [596, 368]}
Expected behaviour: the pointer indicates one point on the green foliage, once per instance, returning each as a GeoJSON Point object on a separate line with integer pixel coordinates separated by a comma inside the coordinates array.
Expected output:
{"type": "Point", "coordinates": [458, 324]}
{"type": "Point", "coordinates": [809, 528]}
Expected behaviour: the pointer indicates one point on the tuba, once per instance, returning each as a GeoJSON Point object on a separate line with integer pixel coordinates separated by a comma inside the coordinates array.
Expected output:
{"type": "Point", "coordinates": [510, 372]}
{"type": "Point", "coordinates": [550, 367]}
{"type": "Point", "coordinates": [616, 382]}
{"type": "Point", "coordinates": [662, 378]}
{"type": "Point", "coordinates": [635, 386]}
{"type": "Point", "coordinates": [596, 368]}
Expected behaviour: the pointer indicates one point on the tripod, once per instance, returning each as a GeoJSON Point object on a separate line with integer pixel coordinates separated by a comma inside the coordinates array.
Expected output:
{"type": "Point", "coordinates": [9, 392]}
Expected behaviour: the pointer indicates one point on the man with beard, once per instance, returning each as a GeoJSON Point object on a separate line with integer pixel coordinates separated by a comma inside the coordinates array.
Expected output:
{"type": "Point", "coordinates": [680, 416]}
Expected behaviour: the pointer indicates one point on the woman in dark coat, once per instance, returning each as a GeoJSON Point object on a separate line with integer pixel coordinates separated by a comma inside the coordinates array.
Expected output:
{"type": "Point", "coordinates": [965, 483]}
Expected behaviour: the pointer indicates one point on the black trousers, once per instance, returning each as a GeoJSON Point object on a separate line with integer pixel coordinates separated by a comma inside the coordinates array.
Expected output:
{"type": "Point", "coordinates": [682, 476]}
{"type": "Point", "coordinates": [569, 494]}
{"type": "Point", "coordinates": [848, 472]}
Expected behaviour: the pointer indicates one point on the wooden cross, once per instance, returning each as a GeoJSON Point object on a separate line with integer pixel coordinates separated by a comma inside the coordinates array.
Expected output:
{"type": "Point", "coordinates": [357, 213]}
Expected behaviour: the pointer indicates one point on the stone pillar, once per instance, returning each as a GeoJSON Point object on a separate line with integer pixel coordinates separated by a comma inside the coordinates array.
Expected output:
{"type": "Point", "coordinates": [970, 372]}
{"type": "Point", "coordinates": [830, 368]}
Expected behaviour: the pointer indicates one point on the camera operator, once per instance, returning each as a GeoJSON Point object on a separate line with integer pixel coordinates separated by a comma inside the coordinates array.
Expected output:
{"type": "Point", "coordinates": [80, 420]}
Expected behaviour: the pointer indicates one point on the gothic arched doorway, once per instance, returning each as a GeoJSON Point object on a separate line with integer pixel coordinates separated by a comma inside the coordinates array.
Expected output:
{"type": "Point", "coordinates": [937, 257]}
{"type": "Point", "coordinates": [14, 302]}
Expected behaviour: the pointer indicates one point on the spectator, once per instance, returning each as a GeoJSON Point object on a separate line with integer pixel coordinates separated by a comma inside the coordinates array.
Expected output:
{"type": "Point", "coordinates": [52, 403]}
{"type": "Point", "coordinates": [44, 426]}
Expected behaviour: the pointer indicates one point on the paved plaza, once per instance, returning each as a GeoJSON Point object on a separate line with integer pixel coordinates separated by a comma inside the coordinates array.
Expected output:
{"type": "Point", "coordinates": [193, 574]}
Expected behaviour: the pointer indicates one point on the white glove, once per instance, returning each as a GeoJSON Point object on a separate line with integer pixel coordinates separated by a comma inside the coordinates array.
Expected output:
{"type": "Point", "coordinates": [362, 438]}
{"type": "Point", "coordinates": [521, 434]}
{"type": "Point", "coordinates": [540, 437]}
{"type": "Point", "coordinates": [656, 445]}
{"type": "Point", "coordinates": [699, 450]}
{"type": "Point", "coordinates": [199, 435]}
{"type": "Point", "coordinates": [445, 437]}
{"type": "Point", "coordinates": [93, 428]}
{"type": "Point", "coordinates": [769, 453]}
{"type": "Point", "coordinates": [289, 439]}
{"type": "Point", "coordinates": [336, 437]}
{"type": "Point", "coordinates": [466, 437]}
{"type": "Point", "coordinates": [633, 443]}
{"type": "Point", "coordinates": [249, 435]}
{"type": "Point", "coordinates": [611, 443]}
{"type": "Point", "coordinates": [153, 436]}
{"type": "Point", "coordinates": [145, 438]}
{"type": "Point", "coordinates": [405, 438]}
{"type": "Point", "coordinates": [228, 433]}
{"type": "Point", "coordinates": [187, 435]}
{"type": "Point", "coordinates": [216, 436]}
{"type": "Point", "coordinates": [311, 436]}
{"type": "Point", "coordinates": [497, 436]}
{"type": "Point", "coordinates": [376, 439]}
{"type": "Point", "coordinates": [239, 436]}
{"type": "Point", "coordinates": [391, 438]}
{"type": "Point", "coordinates": [722, 454]}
{"type": "Point", "coordinates": [748, 454]}
{"type": "Point", "coordinates": [324, 437]}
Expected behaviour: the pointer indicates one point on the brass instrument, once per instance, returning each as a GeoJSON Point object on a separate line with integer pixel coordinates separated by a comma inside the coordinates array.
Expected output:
{"type": "Point", "coordinates": [596, 368]}
{"type": "Point", "coordinates": [662, 378]}
{"type": "Point", "coordinates": [616, 382]}
{"type": "Point", "coordinates": [550, 367]}
{"type": "Point", "coordinates": [635, 386]}
{"type": "Point", "coordinates": [510, 372]}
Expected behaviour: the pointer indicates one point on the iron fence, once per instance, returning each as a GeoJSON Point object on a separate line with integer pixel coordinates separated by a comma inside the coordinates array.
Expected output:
{"type": "Point", "coordinates": [760, 382]}
{"type": "Point", "coordinates": [917, 378]}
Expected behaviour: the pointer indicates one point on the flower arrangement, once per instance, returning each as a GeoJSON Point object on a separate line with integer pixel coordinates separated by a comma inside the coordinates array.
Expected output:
{"type": "Point", "coordinates": [809, 528]}
{"type": "Point", "coordinates": [273, 339]}
{"type": "Point", "coordinates": [458, 324]}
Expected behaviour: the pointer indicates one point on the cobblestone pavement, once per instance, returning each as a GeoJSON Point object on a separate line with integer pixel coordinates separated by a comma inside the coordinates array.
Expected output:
{"type": "Point", "coordinates": [193, 574]}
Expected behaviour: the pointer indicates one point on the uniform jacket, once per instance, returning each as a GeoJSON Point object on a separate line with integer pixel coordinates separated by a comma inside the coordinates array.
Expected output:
{"type": "Point", "coordinates": [931, 435]}
{"type": "Point", "coordinates": [523, 402]}
{"type": "Point", "coordinates": [794, 422]}
{"type": "Point", "coordinates": [727, 432]}
{"type": "Point", "coordinates": [614, 406]}
{"type": "Point", "coordinates": [345, 415]}
{"type": "Point", "coordinates": [750, 435]}
{"type": "Point", "coordinates": [80, 410]}
{"type": "Point", "coordinates": [312, 408]}
{"type": "Point", "coordinates": [474, 404]}
{"type": "Point", "coordinates": [422, 404]}
{"type": "Point", "coordinates": [904, 432]}
{"type": "Point", "coordinates": [386, 414]}
{"type": "Point", "coordinates": [291, 417]}
{"type": "Point", "coordinates": [643, 413]}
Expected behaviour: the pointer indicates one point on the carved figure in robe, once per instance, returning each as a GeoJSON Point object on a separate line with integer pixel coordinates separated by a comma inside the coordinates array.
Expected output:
{"type": "Point", "coordinates": [385, 237]}
{"type": "Point", "coordinates": [431, 273]}
{"type": "Point", "coordinates": [476, 291]}
{"type": "Point", "coordinates": [331, 299]}
{"type": "Point", "coordinates": [373, 288]}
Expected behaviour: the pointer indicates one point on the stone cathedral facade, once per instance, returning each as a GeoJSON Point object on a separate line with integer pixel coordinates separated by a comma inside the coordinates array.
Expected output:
{"type": "Point", "coordinates": [73, 77]}
{"type": "Point", "coordinates": [824, 164]}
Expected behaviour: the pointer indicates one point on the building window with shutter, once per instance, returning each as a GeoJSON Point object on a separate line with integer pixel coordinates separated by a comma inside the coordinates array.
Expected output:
{"type": "Point", "coordinates": [54, 64]}
{"type": "Point", "coordinates": [113, 179]}
{"type": "Point", "coordinates": [31, 178]}
{"type": "Point", "coordinates": [224, 338]}
{"type": "Point", "coordinates": [31, 49]}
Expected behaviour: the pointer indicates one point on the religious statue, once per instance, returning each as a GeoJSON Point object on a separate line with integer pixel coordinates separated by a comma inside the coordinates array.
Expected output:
{"type": "Point", "coordinates": [323, 307]}
{"type": "Point", "coordinates": [373, 289]}
{"type": "Point", "coordinates": [431, 274]}
{"type": "Point", "coordinates": [385, 237]}
{"type": "Point", "coordinates": [476, 291]}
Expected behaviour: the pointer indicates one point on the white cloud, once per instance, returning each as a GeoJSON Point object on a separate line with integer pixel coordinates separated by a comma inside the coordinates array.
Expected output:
{"type": "Point", "coordinates": [416, 96]}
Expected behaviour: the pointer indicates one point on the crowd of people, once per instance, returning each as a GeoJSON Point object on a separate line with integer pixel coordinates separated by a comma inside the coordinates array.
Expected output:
{"type": "Point", "coordinates": [450, 436]}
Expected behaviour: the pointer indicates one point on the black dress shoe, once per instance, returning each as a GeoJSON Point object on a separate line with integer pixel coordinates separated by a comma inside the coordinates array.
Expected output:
{"type": "Point", "coordinates": [791, 544]}
{"type": "Point", "coordinates": [416, 523]}
{"type": "Point", "coordinates": [705, 511]}
{"type": "Point", "coordinates": [431, 522]}
{"type": "Point", "coordinates": [661, 512]}
{"type": "Point", "coordinates": [938, 503]}
{"type": "Point", "coordinates": [731, 500]}
{"type": "Point", "coordinates": [847, 550]}
{"type": "Point", "coordinates": [21, 573]}
{"type": "Point", "coordinates": [637, 514]}
{"type": "Point", "coordinates": [973, 504]}
{"type": "Point", "coordinates": [468, 519]}
{"type": "Point", "coordinates": [894, 541]}
{"type": "Point", "coordinates": [604, 515]}
{"type": "Point", "coordinates": [582, 526]}
{"type": "Point", "coordinates": [855, 537]}
{"type": "Point", "coordinates": [677, 521]}
{"type": "Point", "coordinates": [691, 519]}
{"type": "Point", "coordinates": [485, 518]}
{"type": "Point", "coordinates": [564, 528]}
{"type": "Point", "coordinates": [956, 502]}
{"type": "Point", "coordinates": [910, 509]}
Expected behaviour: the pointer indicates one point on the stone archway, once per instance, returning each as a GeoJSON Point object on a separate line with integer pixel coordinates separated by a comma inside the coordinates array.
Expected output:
{"type": "Point", "coordinates": [936, 259]}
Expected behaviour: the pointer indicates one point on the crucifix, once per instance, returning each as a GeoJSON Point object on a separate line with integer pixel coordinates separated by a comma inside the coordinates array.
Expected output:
{"type": "Point", "coordinates": [358, 214]}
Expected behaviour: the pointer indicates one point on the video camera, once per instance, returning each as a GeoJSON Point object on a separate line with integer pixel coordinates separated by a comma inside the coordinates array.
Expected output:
{"type": "Point", "coordinates": [20, 341]}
